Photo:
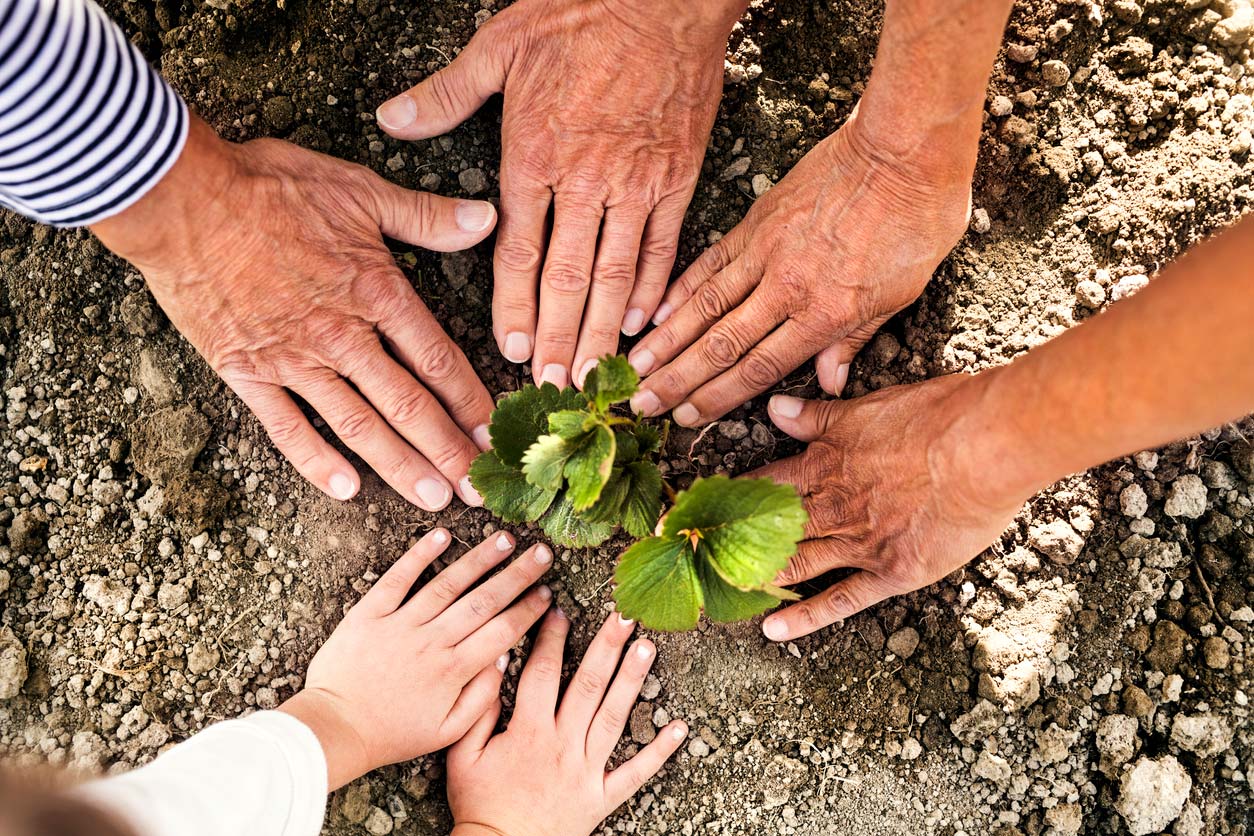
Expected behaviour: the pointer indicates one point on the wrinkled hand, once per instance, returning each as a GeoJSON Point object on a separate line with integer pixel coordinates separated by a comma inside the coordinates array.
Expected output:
{"type": "Point", "coordinates": [545, 775]}
{"type": "Point", "coordinates": [887, 480]}
{"type": "Point", "coordinates": [848, 238]}
{"type": "Point", "coordinates": [400, 678]}
{"type": "Point", "coordinates": [270, 260]}
{"type": "Point", "coordinates": [608, 107]}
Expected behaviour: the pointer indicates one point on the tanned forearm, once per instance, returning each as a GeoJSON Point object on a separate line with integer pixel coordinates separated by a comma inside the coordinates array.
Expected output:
{"type": "Point", "coordinates": [1176, 359]}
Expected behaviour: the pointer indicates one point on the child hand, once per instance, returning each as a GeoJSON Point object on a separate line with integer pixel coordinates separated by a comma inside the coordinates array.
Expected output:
{"type": "Point", "coordinates": [545, 775]}
{"type": "Point", "coordinates": [398, 679]}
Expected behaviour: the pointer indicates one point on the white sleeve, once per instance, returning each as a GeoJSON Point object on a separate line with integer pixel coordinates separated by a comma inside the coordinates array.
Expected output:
{"type": "Point", "coordinates": [264, 775]}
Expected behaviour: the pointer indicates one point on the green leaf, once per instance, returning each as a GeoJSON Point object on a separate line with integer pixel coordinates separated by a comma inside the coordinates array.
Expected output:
{"type": "Point", "coordinates": [751, 526]}
{"type": "Point", "coordinates": [545, 460]}
{"type": "Point", "coordinates": [609, 507]}
{"type": "Point", "coordinates": [611, 381]}
{"type": "Point", "coordinates": [569, 423]}
{"type": "Point", "coordinates": [588, 468]}
{"type": "Point", "coordinates": [506, 491]}
{"type": "Point", "coordinates": [566, 528]}
{"type": "Point", "coordinates": [648, 438]}
{"type": "Point", "coordinates": [626, 447]}
{"type": "Point", "coordinates": [643, 503]}
{"type": "Point", "coordinates": [725, 603]}
{"type": "Point", "coordinates": [522, 417]}
{"type": "Point", "coordinates": [657, 584]}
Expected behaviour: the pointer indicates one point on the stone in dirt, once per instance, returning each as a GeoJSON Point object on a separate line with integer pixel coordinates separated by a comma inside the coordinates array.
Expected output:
{"type": "Point", "coordinates": [1205, 735]}
{"type": "Point", "coordinates": [28, 532]}
{"type": "Point", "coordinates": [904, 642]}
{"type": "Point", "coordinates": [166, 443]}
{"type": "Point", "coordinates": [1057, 540]}
{"type": "Point", "coordinates": [642, 730]}
{"type": "Point", "coordinates": [978, 723]}
{"type": "Point", "coordinates": [1152, 794]}
{"type": "Point", "coordinates": [1116, 741]}
{"type": "Point", "coordinates": [13, 668]}
{"type": "Point", "coordinates": [1187, 497]}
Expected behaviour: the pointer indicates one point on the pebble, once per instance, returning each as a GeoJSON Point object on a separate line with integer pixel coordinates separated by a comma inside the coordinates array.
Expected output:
{"type": "Point", "coordinates": [1152, 794]}
{"type": "Point", "coordinates": [202, 658]}
{"type": "Point", "coordinates": [1057, 540]}
{"type": "Point", "coordinates": [1133, 502]}
{"type": "Point", "coordinates": [13, 670]}
{"type": "Point", "coordinates": [1186, 497]}
{"type": "Point", "coordinates": [1055, 73]}
{"type": "Point", "coordinates": [904, 642]}
{"type": "Point", "coordinates": [1090, 294]}
{"type": "Point", "coordinates": [1205, 735]}
{"type": "Point", "coordinates": [473, 180]}
{"type": "Point", "coordinates": [698, 748]}
{"type": "Point", "coordinates": [761, 184]}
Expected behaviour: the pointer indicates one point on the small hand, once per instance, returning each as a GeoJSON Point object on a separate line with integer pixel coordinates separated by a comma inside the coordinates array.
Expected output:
{"type": "Point", "coordinates": [545, 775]}
{"type": "Point", "coordinates": [888, 485]}
{"type": "Point", "coordinates": [400, 678]}
{"type": "Point", "coordinates": [848, 238]}
{"type": "Point", "coordinates": [608, 107]}
{"type": "Point", "coordinates": [270, 260]}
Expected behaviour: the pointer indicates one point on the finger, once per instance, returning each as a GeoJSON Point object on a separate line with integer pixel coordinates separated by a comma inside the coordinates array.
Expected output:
{"type": "Point", "coordinates": [717, 257]}
{"type": "Point", "coordinates": [843, 599]}
{"type": "Point", "coordinates": [446, 587]}
{"type": "Point", "coordinates": [833, 362]}
{"type": "Point", "coordinates": [516, 262]}
{"type": "Point", "coordinates": [443, 224]}
{"type": "Point", "coordinates": [297, 440]}
{"type": "Point", "coordinates": [612, 280]}
{"type": "Point", "coordinates": [626, 781]}
{"type": "Point", "coordinates": [611, 718]}
{"type": "Point", "coordinates": [477, 736]}
{"type": "Point", "coordinates": [737, 358]}
{"type": "Point", "coordinates": [815, 557]}
{"type": "Point", "coordinates": [419, 342]}
{"type": "Point", "coordinates": [711, 302]}
{"type": "Point", "coordinates": [802, 419]}
{"type": "Point", "coordinates": [587, 688]}
{"type": "Point", "coordinates": [389, 591]}
{"type": "Point", "coordinates": [542, 676]}
{"type": "Point", "coordinates": [413, 412]}
{"type": "Point", "coordinates": [475, 700]}
{"type": "Point", "coordinates": [504, 631]}
{"type": "Point", "coordinates": [658, 249]}
{"type": "Point", "coordinates": [564, 286]}
{"type": "Point", "coordinates": [363, 431]}
{"type": "Point", "coordinates": [478, 607]}
{"type": "Point", "coordinates": [449, 97]}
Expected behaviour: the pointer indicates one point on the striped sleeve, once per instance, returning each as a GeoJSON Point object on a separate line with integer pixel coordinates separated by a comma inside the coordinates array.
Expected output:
{"type": "Point", "coordinates": [87, 127]}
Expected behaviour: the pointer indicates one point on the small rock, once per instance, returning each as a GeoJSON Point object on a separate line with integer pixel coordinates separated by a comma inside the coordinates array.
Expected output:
{"type": "Point", "coordinates": [761, 184]}
{"type": "Point", "coordinates": [981, 721]}
{"type": "Point", "coordinates": [1065, 819]}
{"type": "Point", "coordinates": [737, 168]}
{"type": "Point", "coordinates": [13, 669]}
{"type": "Point", "coordinates": [28, 532]}
{"type": "Point", "coordinates": [698, 748]}
{"type": "Point", "coordinates": [355, 804]}
{"type": "Point", "coordinates": [139, 317]}
{"type": "Point", "coordinates": [378, 822]}
{"type": "Point", "coordinates": [171, 596]}
{"type": "Point", "coordinates": [1090, 294]}
{"type": "Point", "coordinates": [1216, 653]}
{"type": "Point", "coordinates": [642, 730]}
{"type": "Point", "coordinates": [733, 430]}
{"type": "Point", "coordinates": [1152, 794]}
{"type": "Point", "coordinates": [279, 112]}
{"type": "Point", "coordinates": [1054, 744]}
{"type": "Point", "coordinates": [992, 768]}
{"type": "Point", "coordinates": [1133, 502]}
{"type": "Point", "coordinates": [202, 658]}
{"type": "Point", "coordinates": [911, 749]}
{"type": "Point", "coordinates": [904, 642]}
{"type": "Point", "coordinates": [1057, 540]}
{"type": "Point", "coordinates": [1116, 741]}
{"type": "Point", "coordinates": [167, 442]}
{"type": "Point", "coordinates": [1205, 735]}
{"type": "Point", "coordinates": [1055, 73]}
{"type": "Point", "coordinates": [1186, 497]}
{"type": "Point", "coordinates": [1168, 649]}
{"type": "Point", "coordinates": [980, 221]}
{"type": "Point", "coordinates": [1021, 53]}
{"type": "Point", "coordinates": [473, 180]}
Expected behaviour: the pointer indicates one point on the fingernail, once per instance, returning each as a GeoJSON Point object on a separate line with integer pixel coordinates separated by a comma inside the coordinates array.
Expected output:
{"type": "Point", "coordinates": [560, 613]}
{"type": "Point", "coordinates": [643, 650]}
{"type": "Point", "coordinates": [686, 415]}
{"type": "Point", "coordinates": [481, 436]}
{"type": "Point", "coordinates": [503, 543]}
{"type": "Point", "coordinates": [785, 406]}
{"type": "Point", "coordinates": [342, 486]}
{"type": "Point", "coordinates": [642, 361]}
{"type": "Point", "coordinates": [440, 536]}
{"type": "Point", "coordinates": [662, 313]}
{"type": "Point", "coordinates": [543, 556]}
{"type": "Point", "coordinates": [469, 494]}
{"type": "Point", "coordinates": [679, 732]}
{"type": "Point", "coordinates": [583, 372]}
{"type": "Point", "coordinates": [433, 494]}
{"type": "Point", "coordinates": [554, 373]}
{"type": "Point", "coordinates": [517, 347]}
{"type": "Point", "coordinates": [633, 321]}
{"type": "Point", "coordinates": [545, 593]}
{"type": "Point", "coordinates": [474, 215]}
{"type": "Point", "coordinates": [397, 113]}
{"type": "Point", "coordinates": [502, 662]}
{"type": "Point", "coordinates": [624, 620]}
{"type": "Point", "coordinates": [775, 629]}
{"type": "Point", "coordinates": [842, 377]}
{"type": "Point", "coordinates": [646, 403]}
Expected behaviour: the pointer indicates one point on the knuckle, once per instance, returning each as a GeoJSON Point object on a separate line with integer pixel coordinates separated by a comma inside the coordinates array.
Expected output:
{"type": "Point", "coordinates": [617, 277]}
{"type": "Point", "coordinates": [661, 251]}
{"type": "Point", "coordinates": [484, 604]}
{"type": "Point", "coordinates": [563, 277]}
{"type": "Point", "coordinates": [408, 406]}
{"type": "Point", "coordinates": [443, 588]}
{"type": "Point", "coordinates": [761, 370]}
{"type": "Point", "coordinates": [545, 668]}
{"type": "Point", "coordinates": [612, 719]}
{"type": "Point", "coordinates": [286, 431]}
{"type": "Point", "coordinates": [792, 283]}
{"type": "Point", "coordinates": [719, 349]}
{"type": "Point", "coordinates": [446, 96]}
{"type": "Point", "coordinates": [438, 361]}
{"type": "Point", "coordinates": [710, 300]}
{"type": "Point", "coordinates": [517, 254]}
{"type": "Point", "coordinates": [355, 425]}
{"type": "Point", "coordinates": [589, 685]}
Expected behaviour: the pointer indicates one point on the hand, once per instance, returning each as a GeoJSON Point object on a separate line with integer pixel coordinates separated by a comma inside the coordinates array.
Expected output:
{"type": "Point", "coordinates": [270, 260]}
{"type": "Point", "coordinates": [545, 775]}
{"type": "Point", "coordinates": [891, 491]}
{"type": "Point", "coordinates": [400, 678]}
{"type": "Point", "coordinates": [821, 261]}
{"type": "Point", "coordinates": [608, 108]}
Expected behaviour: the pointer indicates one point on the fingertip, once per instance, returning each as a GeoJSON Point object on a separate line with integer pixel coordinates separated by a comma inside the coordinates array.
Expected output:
{"type": "Point", "coordinates": [687, 415]}
{"type": "Point", "coordinates": [775, 628]}
{"type": "Point", "coordinates": [785, 407]}
{"type": "Point", "coordinates": [475, 217]}
{"type": "Point", "coordinates": [440, 537]}
{"type": "Point", "coordinates": [397, 113]}
{"type": "Point", "coordinates": [517, 347]}
{"type": "Point", "coordinates": [679, 731]}
{"type": "Point", "coordinates": [467, 492]}
{"type": "Point", "coordinates": [645, 649]}
{"type": "Point", "coordinates": [343, 485]}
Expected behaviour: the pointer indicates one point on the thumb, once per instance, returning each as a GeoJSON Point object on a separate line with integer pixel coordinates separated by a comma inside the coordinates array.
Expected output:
{"type": "Point", "coordinates": [446, 99]}
{"type": "Point", "coordinates": [832, 363]}
{"type": "Point", "coordinates": [804, 420]}
{"type": "Point", "coordinates": [444, 224]}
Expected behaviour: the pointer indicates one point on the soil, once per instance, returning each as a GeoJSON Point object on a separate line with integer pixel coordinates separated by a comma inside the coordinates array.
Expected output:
{"type": "Point", "coordinates": [163, 568]}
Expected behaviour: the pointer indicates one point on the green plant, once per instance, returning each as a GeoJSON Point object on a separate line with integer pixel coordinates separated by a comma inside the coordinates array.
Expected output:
{"type": "Point", "coordinates": [567, 460]}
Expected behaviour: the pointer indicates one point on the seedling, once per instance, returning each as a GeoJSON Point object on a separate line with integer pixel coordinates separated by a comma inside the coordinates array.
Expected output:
{"type": "Point", "coordinates": [569, 461]}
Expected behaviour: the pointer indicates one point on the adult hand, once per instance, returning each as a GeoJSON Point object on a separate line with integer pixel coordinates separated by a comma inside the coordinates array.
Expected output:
{"type": "Point", "coordinates": [404, 675]}
{"type": "Point", "coordinates": [608, 108]}
{"type": "Point", "coordinates": [891, 491]}
{"type": "Point", "coordinates": [270, 260]}
{"type": "Point", "coordinates": [848, 238]}
{"type": "Point", "coordinates": [545, 775]}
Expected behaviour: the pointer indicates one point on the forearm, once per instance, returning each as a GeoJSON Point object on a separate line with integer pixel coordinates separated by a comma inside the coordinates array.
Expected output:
{"type": "Point", "coordinates": [1176, 359]}
{"type": "Point", "coordinates": [925, 97]}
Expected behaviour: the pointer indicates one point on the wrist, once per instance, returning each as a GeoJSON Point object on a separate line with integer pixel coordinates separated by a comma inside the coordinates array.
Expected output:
{"type": "Point", "coordinates": [346, 753]}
